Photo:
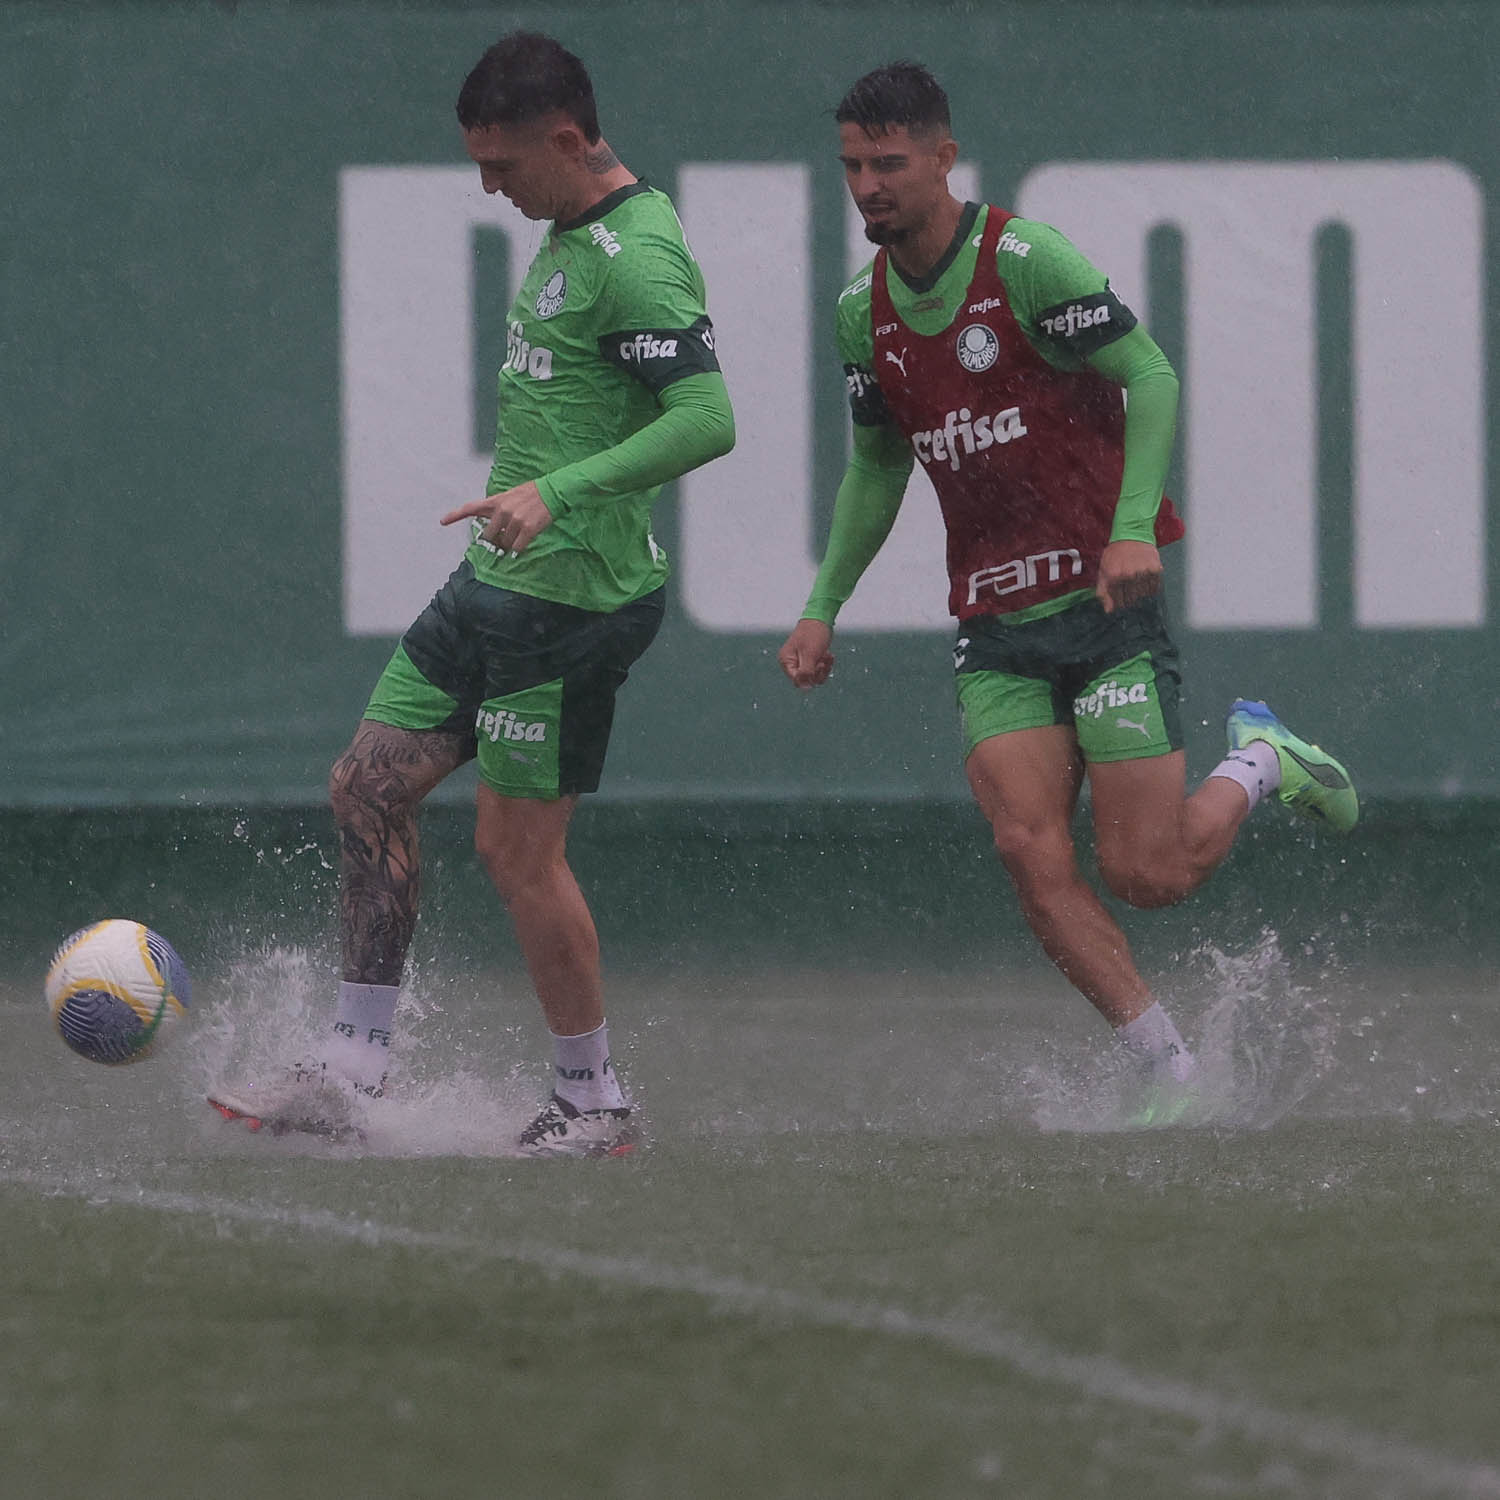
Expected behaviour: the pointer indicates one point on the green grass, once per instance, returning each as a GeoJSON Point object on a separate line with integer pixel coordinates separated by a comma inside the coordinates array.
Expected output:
{"type": "Point", "coordinates": [850, 1261]}
{"type": "Point", "coordinates": [836, 1314]}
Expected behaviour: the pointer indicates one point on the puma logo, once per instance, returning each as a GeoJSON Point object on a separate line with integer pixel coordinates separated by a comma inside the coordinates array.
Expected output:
{"type": "Point", "coordinates": [1122, 723]}
{"type": "Point", "coordinates": [1320, 771]}
{"type": "Point", "coordinates": [899, 360]}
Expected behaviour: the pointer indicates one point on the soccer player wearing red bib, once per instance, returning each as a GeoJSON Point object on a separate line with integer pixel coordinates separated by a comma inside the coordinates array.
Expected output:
{"type": "Point", "coordinates": [988, 348]}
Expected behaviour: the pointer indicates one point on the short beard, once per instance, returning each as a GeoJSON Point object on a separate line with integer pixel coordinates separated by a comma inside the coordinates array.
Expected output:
{"type": "Point", "coordinates": [886, 234]}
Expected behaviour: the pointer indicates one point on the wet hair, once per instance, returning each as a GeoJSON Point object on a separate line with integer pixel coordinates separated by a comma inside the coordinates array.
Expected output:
{"type": "Point", "coordinates": [900, 93]}
{"type": "Point", "coordinates": [523, 77]}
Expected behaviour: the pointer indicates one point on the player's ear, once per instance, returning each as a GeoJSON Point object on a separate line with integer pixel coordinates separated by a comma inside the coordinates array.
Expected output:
{"type": "Point", "coordinates": [567, 139]}
{"type": "Point", "coordinates": [947, 153]}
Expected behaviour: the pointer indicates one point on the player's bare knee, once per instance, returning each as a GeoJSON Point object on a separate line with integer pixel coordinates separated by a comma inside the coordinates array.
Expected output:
{"type": "Point", "coordinates": [495, 854]}
{"type": "Point", "coordinates": [1036, 856]}
{"type": "Point", "coordinates": [515, 864]}
{"type": "Point", "coordinates": [1140, 881]}
{"type": "Point", "coordinates": [1014, 840]}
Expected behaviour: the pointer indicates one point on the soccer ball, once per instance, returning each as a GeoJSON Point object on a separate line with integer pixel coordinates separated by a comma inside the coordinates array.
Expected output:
{"type": "Point", "coordinates": [116, 990]}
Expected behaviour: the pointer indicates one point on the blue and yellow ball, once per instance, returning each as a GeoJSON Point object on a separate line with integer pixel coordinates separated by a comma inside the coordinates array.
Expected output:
{"type": "Point", "coordinates": [116, 990]}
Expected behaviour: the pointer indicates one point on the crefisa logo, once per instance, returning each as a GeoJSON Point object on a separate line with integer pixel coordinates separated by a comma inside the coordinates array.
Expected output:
{"type": "Point", "coordinates": [504, 724]}
{"type": "Point", "coordinates": [552, 295]}
{"type": "Point", "coordinates": [978, 348]}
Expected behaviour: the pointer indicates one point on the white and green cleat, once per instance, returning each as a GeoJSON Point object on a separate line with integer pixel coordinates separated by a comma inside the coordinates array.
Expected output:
{"type": "Point", "coordinates": [1313, 783]}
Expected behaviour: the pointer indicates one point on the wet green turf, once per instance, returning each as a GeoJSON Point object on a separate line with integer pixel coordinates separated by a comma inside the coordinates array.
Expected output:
{"type": "Point", "coordinates": [791, 1291]}
{"type": "Point", "coordinates": [886, 1237]}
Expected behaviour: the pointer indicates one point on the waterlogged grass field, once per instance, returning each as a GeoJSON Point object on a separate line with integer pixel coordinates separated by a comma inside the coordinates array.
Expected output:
{"type": "Point", "coordinates": [886, 1236]}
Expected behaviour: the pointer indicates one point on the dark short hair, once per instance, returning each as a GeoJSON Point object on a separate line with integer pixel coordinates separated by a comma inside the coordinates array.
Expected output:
{"type": "Point", "coordinates": [900, 93]}
{"type": "Point", "coordinates": [524, 76]}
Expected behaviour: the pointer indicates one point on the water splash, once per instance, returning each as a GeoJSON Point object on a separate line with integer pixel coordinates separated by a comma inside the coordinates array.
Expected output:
{"type": "Point", "coordinates": [442, 1096]}
{"type": "Point", "coordinates": [1266, 1040]}
{"type": "Point", "coordinates": [1262, 1039]}
{"type": "Point", "coordinates": [263, 1016]}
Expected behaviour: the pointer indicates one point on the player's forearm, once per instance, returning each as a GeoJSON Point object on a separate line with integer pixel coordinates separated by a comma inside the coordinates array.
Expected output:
{"type": "Point", "coordinates": [696, 425]}
{"type": "Point", "coordinates": [864, 511]}
{"type": "Point", "coordinates": [1136, 363]}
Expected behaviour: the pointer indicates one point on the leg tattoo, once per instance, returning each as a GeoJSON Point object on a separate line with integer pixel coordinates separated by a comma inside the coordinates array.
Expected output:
{"type": "Point", "coordinates": [376, 789]}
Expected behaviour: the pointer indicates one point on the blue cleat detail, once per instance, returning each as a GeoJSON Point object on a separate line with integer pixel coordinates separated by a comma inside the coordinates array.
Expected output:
{"type": "Point", "coordinates": [1313, 783]}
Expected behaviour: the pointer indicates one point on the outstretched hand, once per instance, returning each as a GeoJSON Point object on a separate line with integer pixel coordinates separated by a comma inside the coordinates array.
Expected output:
{"type": "Point", "coordinates": [516, 517]}
{"type": "Point", "coordinates": [806, 658]}
{"type": "Point", "coordinates": [1128, 573]}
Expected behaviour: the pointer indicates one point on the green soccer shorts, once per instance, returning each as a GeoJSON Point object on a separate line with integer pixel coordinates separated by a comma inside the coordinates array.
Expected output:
{"type": "Point", "coordinates": [533, 681]}
{"type": "Point", "coordinates": [1113, 677]}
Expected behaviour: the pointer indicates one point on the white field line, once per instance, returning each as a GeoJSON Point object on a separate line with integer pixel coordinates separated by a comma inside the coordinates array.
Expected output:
{"type": "Point", "coordinates": [1096, 1376]}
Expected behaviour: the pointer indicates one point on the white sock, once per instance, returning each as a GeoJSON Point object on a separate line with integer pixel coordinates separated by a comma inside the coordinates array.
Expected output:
{"type": "Point", "coordinates": [584, 1075]}
{"type": "Point", "coordinates": [362, 1032]}
{"type": "Point", "coordinates": [1255, 768]}
{"type": "Point", "coordinates": [1153, 1039]}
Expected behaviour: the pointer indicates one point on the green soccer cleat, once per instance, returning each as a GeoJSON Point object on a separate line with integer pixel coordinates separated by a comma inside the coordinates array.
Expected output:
{"type": "Point", "coordinates": [1313, 783]}
{"type": "Point", "coordinates": [1159, 1105]}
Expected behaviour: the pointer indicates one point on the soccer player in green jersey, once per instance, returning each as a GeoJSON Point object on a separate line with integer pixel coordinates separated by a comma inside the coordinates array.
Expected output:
{"type": "Point", "coordinates": [989, 348]}
{"type": "Point", "coordinates": [610, 388]}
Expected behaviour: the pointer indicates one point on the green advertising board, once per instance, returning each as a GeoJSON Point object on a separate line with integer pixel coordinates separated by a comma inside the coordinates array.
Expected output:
{"type": "Point", "coordinates": [253, 306]}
